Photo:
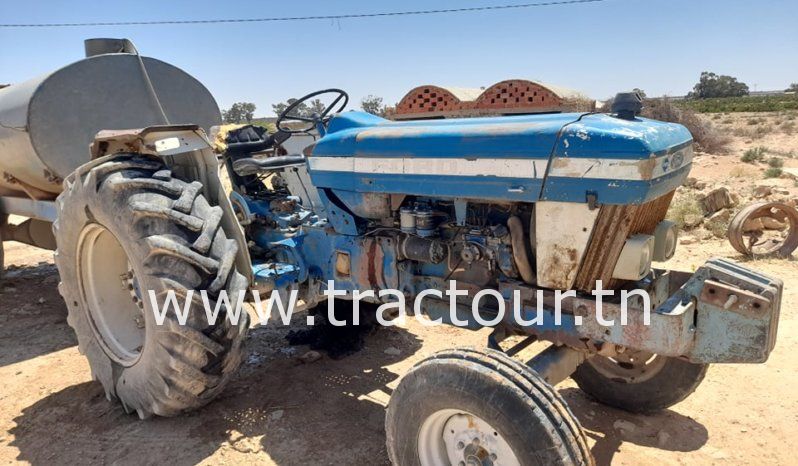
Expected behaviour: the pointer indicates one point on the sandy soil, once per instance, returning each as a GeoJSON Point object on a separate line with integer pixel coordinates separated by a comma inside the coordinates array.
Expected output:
{"type": "Point", "coordinates": [770, 131]}
{"type": "Point", "coordinates": [281, 411]}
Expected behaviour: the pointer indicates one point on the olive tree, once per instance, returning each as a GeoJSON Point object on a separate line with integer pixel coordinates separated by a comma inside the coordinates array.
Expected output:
{"type": "Point", "coordinates": [373, 104]}
{"type": "Point", "coordinates": [239, 112]}
{"type": "Point", "coordinates": [715, 85]}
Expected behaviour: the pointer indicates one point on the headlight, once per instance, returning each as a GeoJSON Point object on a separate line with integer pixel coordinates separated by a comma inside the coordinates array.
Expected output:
{"type": "Point", "coordinates": [635, 259]}
{"type": "Point", "coordinates": [665, 236]}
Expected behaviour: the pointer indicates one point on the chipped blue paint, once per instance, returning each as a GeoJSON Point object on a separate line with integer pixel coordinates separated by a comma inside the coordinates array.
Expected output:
{"type": "Point", "coordinates": [276, 275]}
{"type": "Point", "coordinates": [547, 141]}
{"type": "Point", "coordinates": [604, 136]}
{"type": "Point", "coordinates": [607, 191]}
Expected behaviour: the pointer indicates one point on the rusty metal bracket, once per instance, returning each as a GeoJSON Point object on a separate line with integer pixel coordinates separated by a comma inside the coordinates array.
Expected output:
{"type": "Point", "coordinates": [723, 313]}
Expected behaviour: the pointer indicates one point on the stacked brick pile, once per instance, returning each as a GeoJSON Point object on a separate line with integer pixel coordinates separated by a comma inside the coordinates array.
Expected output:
{"type": "Point", "coordinates": [513, 96]}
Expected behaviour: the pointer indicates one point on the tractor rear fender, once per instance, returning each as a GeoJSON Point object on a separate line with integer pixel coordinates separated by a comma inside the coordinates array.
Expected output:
{"type": "Point", "coordinates": [185, 149]}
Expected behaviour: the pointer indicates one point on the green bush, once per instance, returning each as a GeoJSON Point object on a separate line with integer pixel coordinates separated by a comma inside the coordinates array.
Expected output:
{"type": "Point", "coordinates": [754, 154]}
{"type": "Point", "coordinates": [773, 172]}
{"type": "Point", "coordinates": [775, 162]}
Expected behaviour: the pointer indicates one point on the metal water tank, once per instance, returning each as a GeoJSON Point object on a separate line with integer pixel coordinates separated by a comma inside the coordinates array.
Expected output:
{"type": "Point", "coordinates": [48, 123]}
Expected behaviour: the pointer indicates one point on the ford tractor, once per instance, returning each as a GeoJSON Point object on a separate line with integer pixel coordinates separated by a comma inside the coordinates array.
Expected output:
{"type": "Point", "coordinates": [542, 227]}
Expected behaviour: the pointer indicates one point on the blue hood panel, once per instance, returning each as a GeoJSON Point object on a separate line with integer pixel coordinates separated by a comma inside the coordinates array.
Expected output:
{"type": "Point", "coordinates": [562, 157]}
{"type": "Point", "coordinates": [363, 134]}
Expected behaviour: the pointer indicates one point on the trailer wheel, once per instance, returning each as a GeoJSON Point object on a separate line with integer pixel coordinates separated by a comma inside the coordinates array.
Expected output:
{"type": "Point", "coordinates": [127, 228]}
{"type": "Point", "coordinates": [480, 407]}
{"type": "Point", "coordinates": [639, 382]}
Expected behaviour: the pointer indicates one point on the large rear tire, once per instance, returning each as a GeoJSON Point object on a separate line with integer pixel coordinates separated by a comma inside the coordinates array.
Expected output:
{"type": "Point", "coordinates": [128, 227]}
{"type": "Point", "coordinates": [639, 382]}
{"type": "Point", "coordinates": [468, 406]}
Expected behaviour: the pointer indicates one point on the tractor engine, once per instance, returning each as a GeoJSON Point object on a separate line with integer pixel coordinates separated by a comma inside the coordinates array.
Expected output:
{"type": "Point", "coordinates": [475, 249]}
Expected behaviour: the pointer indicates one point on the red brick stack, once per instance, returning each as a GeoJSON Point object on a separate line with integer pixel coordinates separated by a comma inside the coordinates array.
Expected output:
{"type": "Point", "coordinates": [515, 96]}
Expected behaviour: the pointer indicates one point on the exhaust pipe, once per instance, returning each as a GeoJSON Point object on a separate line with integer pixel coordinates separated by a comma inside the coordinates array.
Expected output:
{"type": "Point", "coordinates": [520, 253]}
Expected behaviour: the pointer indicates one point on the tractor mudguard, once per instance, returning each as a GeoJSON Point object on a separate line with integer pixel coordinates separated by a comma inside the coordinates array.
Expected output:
{"type": "Point", "coordinates": [185, 149]}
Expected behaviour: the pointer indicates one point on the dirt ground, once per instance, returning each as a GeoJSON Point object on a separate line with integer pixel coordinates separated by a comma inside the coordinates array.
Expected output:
{"type": "Point", "coordinates": [281, 411]}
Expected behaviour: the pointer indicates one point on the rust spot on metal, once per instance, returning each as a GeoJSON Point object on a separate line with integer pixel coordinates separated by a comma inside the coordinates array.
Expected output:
{"type": "Point", "coordinates": [733, 299]}
{"type": "Point", "coordinates": [646, 168]}
{"type": "Point", "coordinates": [343, 264]}
{"type": "Point", "coordinates": [32, 192]}
{"type": "Point", "coordinates": [562, 265]}
{"type": "Point", "coordinates": [614, 224]}
{"type": "Point", "coordinates": [52, 177]}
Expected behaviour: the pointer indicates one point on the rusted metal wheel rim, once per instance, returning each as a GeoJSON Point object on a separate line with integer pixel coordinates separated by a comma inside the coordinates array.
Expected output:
{"type": "Point", "coordinates": [749, 243]}
{"type": "Point", "coordinates": [629, 367]}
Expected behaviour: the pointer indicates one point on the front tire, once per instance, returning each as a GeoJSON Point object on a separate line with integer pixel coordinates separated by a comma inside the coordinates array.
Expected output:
{"type": "Point", "coordinates": [468, 406]}
{"type": "Point", "coordinates": [639, 382]}
{"type": "Point", "coordinates": [125, 228]}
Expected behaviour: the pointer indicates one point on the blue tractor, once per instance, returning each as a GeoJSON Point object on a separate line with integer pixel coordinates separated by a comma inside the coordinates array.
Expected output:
{"type": "Point", "coordinates": [543, 227]}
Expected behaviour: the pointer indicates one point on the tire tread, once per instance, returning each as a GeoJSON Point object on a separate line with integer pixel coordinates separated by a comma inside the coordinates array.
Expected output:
{"type": "Point", "coordinates": [195, 362]}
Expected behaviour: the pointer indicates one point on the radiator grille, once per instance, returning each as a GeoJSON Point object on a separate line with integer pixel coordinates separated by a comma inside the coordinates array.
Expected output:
{"type": "Point", "coordinates": [615, 223]}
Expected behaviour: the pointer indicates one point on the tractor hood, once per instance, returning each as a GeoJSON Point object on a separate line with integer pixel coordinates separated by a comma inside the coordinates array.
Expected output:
{"type": "Point", "coordinates": [563, 157]}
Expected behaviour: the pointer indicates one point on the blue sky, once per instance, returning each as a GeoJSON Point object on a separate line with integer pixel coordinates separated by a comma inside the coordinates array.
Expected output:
{"type": "Point", "coordinates": [658, 45]}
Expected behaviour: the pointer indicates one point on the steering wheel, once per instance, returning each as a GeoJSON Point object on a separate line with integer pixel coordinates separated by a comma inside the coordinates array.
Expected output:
{"type": "Point", "coordinates": [315, 119]}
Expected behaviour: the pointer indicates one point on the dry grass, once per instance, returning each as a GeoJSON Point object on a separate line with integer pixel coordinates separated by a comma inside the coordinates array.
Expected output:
{"type": "Point", "coordinates": [757, 132]}
{"type": "Point", "coordinates": [718, 228]}
{"type": "Point", "coordinates": [704, 134]}
{"type": "Point", "coordinates": [740, 172]}
{"type": "Point", "coordinates": [685, 210]}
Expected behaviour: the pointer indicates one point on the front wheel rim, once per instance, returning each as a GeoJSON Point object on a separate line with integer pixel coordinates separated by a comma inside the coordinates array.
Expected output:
{"type": "Point", "coordinates": [629, 367]}
{"type": "Point", "coordinates": [458, 438]}
{"type": "Point", "coordinates": [110, 293]}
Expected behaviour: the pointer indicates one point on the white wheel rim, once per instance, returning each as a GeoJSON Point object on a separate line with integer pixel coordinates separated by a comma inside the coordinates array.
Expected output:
{"type": "Point", "coordinates": [458, 438]}
{"type": "Point", "coordinates": [110, 294]}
